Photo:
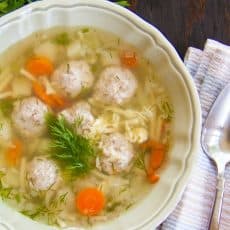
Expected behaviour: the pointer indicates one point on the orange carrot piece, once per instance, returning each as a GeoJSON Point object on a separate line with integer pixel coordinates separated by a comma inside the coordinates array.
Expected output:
{"type": "Point", "coordinates": [156, 159]}
{"type": "Point", "coordinates": [129, 59]}
{"type": "Point", "coordinates": [157, 154]}
{"type": "Point", "coordinates": [40, 66]}
{"type": "Point", "coordinates": [53, 100]}
{"type": "Point", "coordinates": [153, 178]}
{"type": "Point", "coordinates": [151, 144]}
{"type": "Point", "coordinates": [59, 101]}
{"type": "Point", "coordinates": [13, 154]}
{"type": "Point", "coordinates": [90, 201]}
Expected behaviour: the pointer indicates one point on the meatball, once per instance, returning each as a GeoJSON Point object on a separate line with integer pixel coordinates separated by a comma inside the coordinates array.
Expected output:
{"type": "Point", "coordinates": [81, 111]}
{"type": "Point", "coordinates": [115, 85]}
{"type": "Point", "coordinates": [117, 154]}
{"type": "Point", "coordinates": [28, 116]}
{"type": "Point", "coordinates": [72, 77]}
{"type": "Point", "coordinates": [42, 174]}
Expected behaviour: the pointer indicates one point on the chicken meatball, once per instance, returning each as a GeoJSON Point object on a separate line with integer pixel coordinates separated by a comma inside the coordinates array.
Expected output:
{"type": "Point", "coordinates": [42, 174]}
{"type": "Point", "coordinates": [72, 77]}
{"type": "Point", "coordinates": [115, 85]}
{"type": "Point", "coordinates": [28, 116]}
{"type": "Point", "coordinates": [117, 154]}
{"type": "Point", "coordinates": [81, 112]}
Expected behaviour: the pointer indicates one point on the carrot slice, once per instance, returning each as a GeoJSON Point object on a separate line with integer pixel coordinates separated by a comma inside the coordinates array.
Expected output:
{"type": "Point", "coordinates": [157, 154]}
{"type": "Point", "coordinates": [151, 144]}
{"type": "Point", "coordinates": [13, 154]}
{"type": "Point", "coordinates": [129, 59]}
{"type": "Point", "coordinates": [40, 66]}
{"type": "Point", "coordinates": [53, 100]}
{"type": "Point", "coordinates": [90, 201]}
{"type": "Point", "coordinates": [153, 178]}
{"type": "Point", "coordinates": [156, 159]}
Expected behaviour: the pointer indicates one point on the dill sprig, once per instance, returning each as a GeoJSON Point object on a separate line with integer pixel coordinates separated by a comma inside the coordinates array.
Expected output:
{"type": "Point", "coordinates": [74, 152]}
{"type": "Point", "coordinates": [6, 193]}
{"type": "Point", "coordinates": [6, 106]}
{"type": "Point", "coordinates": [123, 3]}
{"type": "Point", "coordinates": [166, 110]}
{"type": "Point", "coordinates": [140, 161]}
{"type": "Point", "coordinates": [49, 212]}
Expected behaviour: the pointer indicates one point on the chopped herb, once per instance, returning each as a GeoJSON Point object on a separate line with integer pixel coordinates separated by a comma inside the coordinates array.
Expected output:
{"type": "Point", "coordinates": [74, 152]}
{"type": "Point", "coordinates": [18, 198]}
{"type": "Point", "coordinates": [50, 212]}
{"type": "Point", "coordinates": [124, 189]}
{"type": "Point", "coordinates": [6, 106]}
{"type": "Point", "coordinates": [85, 30]}
{"type": "Point", "coordinates": [1, 126]}
{"type": "Point", "coordinates": [166, 110]}
{"type": "Point", "coordinates": [84, 91]}
{"type": "Point", "coordinates": [68, 68]}
{"type": "Point", "coordinates": [6, 193]}
{"type": "Point", "coordinates": [140, 161]}
{"type": "Point", "coordinates": [129, 206]}
{"type": "Point", "coordinates": [63, 197]}
{"type": "Point", "coordinates": [78, 121]}
{"type": "Point", "coordinates": [62, 39]}
{"type": "Point", "coordinates": [113, 206]}
{"type": "Point", "coordinates": [123, 3]}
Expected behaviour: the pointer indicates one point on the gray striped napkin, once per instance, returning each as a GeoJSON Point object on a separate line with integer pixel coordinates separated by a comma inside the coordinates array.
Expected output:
{"type": "Point", "coordinates": [210, 69]}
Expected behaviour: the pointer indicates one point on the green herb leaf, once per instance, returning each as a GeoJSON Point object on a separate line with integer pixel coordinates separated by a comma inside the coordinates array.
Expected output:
{"type": "Point", "coordinates": [85, 30]}
{"type": "Point", "coordinates": [71, 150]}
{"type": "Point", "coordinates": [140, 161]}
{"type": "Point", "coordinates": [166, 110]}
{"type": "Point", "coordinates": [123, 3]}
{"type": "Point", "coordinates": [62, 39]}
{"type": "Point", "coordinates": [113, 206]}
{"type": "Point", "coordinates": [50, 212]}
{"type": "Point", "coordinates": [6, 106]}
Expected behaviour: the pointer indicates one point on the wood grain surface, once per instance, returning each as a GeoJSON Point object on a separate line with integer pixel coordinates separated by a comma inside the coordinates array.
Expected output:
{"type": "Point", "coordinates": [187, 22]}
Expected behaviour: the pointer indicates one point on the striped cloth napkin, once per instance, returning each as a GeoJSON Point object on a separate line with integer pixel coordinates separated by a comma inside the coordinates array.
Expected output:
{"type": "Point", "coordinates": [210, 69]}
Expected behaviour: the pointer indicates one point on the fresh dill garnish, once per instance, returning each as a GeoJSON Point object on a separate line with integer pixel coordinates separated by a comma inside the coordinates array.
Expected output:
{"type": "Point", "coordinates": [62, 39]}
{"type": "Point", "coordinates": [50, 212]}
{"type": "Point", "coordinates": [18, 198]}
{"type": "Point", "coordinates": [85, 91]}
{"type": "Point", "coordinates": [166, 110]}
{"type": "Point", "coordinates": [74, 152]}
{"type": "Point", "coordinates": [6, 193]}
{"type": "Point", "coordinates": [85, 30]}
{"type": "Point", "coordinates": [62, 198]}
{"type": "Point", "coordinates": [140, 161]}
{"type": "Point", "coordinates": [6, 106]}
{"type": "Point", "coordinates": [129, 206]}
{"type": "Point", "coordinates": [111, 207]}
{"type": "Point", "coordinates": [123, 3]}
{"type": "Point", "coordinates": [68, 68]}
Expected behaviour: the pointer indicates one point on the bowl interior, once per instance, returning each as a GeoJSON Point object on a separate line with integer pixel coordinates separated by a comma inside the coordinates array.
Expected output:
{"type": "Point", "coordinates": [161, 200]}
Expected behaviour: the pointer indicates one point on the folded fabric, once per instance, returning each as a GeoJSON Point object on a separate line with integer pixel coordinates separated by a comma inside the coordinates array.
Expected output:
{"type": "Point", "coordinates": [210, 69]}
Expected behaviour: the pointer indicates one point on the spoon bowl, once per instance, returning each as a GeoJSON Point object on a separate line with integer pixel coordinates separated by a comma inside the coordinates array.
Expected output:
{"type": "Point", "coordinates": [215, 141]}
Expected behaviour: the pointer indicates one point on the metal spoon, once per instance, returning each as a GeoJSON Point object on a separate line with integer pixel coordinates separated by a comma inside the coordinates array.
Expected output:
{"type": "Point", "coordinates": [215, 141]}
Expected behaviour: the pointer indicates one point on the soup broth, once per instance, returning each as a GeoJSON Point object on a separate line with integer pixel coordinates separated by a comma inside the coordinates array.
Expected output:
{"type": "Point", "coordinates": [84, 126]}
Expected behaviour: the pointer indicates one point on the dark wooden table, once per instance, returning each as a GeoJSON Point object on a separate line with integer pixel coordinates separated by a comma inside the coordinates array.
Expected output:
{"type": "Point", "coordinates": [187, 22]}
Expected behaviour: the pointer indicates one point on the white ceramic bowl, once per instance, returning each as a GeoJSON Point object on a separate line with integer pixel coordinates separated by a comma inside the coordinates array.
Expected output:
{"type": "Point", "coordinates": [174, 76]}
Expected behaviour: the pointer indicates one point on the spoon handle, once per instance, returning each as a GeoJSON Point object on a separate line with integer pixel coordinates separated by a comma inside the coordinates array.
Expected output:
{"type": "Point", "coordinates": [215, 219]}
